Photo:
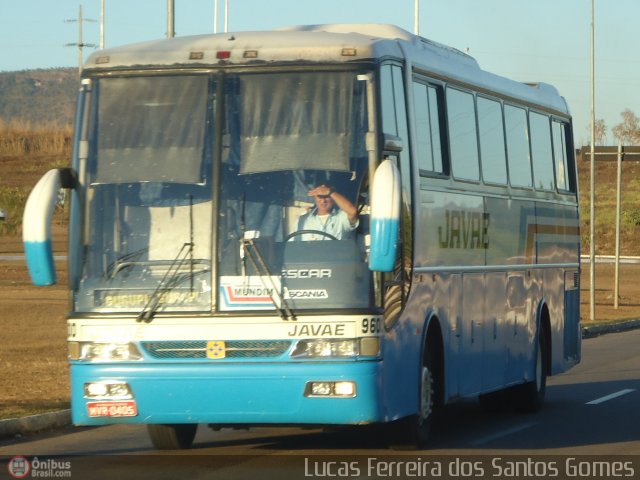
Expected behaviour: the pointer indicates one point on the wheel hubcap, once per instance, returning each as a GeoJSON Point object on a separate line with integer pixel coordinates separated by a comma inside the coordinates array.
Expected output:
{"type": "Point", "coordinates": [426, 394]}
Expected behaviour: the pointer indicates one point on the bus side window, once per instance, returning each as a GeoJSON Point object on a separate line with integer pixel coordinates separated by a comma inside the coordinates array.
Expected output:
{"type": "Point", "coordinates": [463, 135]}
{"type": "Point", "coordinates": [541, 151]}
{"type": "Point", "coordinates": [561, 159]}
{"type": "Point", "coordinates": [428, 131]}
{"type": "Point", "coordinates": [492, 147]}
{"type": "Point", "coordinates": [518, 146]}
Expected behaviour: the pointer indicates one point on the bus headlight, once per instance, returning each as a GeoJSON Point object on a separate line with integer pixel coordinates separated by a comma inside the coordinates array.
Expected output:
{"type": "Point", "coordinates": [336, 348]}
{"type": "Point", "coordinates": [103, 352]}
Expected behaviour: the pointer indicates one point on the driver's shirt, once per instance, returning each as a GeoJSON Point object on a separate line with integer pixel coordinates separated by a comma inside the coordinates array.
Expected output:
{"type": "Point", "coordinates": [336, 223]}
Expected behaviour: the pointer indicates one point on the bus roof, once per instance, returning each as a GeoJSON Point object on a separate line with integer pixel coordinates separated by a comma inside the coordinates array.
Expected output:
{"type": "Point", "coordinates": [331, 43]}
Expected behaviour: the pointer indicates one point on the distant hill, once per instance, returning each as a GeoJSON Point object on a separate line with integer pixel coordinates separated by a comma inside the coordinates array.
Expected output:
{"type": "Point", "coordinates": [39, 96]}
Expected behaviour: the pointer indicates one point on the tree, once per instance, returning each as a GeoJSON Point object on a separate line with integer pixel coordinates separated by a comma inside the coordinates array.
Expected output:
{"type": "Point", "coordinates": [628, 132]}
{"type": "Point", "coordinates": [600, 131]}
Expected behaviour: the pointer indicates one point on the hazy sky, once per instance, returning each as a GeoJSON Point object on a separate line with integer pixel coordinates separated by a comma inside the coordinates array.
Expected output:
{"type": "Point", "coordinates": [541, 40]}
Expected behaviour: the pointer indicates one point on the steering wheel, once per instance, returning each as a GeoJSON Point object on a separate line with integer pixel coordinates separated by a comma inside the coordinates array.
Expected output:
{"type": "Point", "coordinates": [302, 232]}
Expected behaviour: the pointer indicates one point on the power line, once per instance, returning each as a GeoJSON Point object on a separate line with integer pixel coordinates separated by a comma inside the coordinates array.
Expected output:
{"type": "Point", "coordinates": [80, 43]}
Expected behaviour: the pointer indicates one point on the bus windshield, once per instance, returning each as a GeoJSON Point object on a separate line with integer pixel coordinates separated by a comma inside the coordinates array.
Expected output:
{"type": "Point", "coordinates": [198, 190]}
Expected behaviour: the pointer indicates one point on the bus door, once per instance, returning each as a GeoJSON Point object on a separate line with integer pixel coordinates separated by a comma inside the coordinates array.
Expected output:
{"type": "Point", "coordinates": [394, 124]}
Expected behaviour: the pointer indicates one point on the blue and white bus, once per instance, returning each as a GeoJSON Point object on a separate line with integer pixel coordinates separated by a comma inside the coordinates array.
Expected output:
{"type": "Point", "coordinates": [196, 299]}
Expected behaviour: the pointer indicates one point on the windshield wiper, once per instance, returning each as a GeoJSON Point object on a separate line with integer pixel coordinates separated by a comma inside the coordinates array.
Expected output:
{"type": "Point", "coordinates": [124, 261]}
{"type": "Point", "coordinates": [248, 246]}
{"type": "Point", "coordinates": [170, 279]}
{"type": "Point", "coordinates": [261, 267]}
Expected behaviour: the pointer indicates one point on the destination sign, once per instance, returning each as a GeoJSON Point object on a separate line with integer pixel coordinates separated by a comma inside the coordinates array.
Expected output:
{"type": "Point", "coordinates": [138, 299]}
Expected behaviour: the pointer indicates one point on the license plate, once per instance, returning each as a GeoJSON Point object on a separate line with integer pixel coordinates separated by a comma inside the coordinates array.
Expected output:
{"type": "Point", "coordinates": [112, 409]}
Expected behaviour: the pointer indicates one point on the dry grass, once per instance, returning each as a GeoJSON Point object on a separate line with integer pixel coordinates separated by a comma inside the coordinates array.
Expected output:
{"type": "Point", "coordinates": [26, 152]}
{"type": "Point", "coordinates": [24, 138]}
{"type": "Point", "coordinates": [33, 364]}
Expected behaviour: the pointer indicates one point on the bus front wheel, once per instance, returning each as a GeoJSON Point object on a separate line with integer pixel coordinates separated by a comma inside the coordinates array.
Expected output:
{"type": "Point", "coordinates": [172, 436]}
{"type": "Point", "coordinates": [425, 414]}
{"type": "Point", "coordinates": [413, 431]}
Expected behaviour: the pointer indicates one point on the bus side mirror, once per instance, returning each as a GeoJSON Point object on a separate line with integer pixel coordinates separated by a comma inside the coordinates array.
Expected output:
{"type": "Point", "coordinates": [36, 224]}
{"type": "Point", "coordinates": [385, 217]}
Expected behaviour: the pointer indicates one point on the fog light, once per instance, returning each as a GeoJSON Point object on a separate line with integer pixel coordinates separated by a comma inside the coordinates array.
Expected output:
{"type": "Point", "coordinates": [107, 390]}
{"type": "Point", "coordinates": [344, 389]}
{"type": "Point", "coordinates": [321, 388]}
{"type": "Point", "coordinates": [119, 390]}
{"type": "Point", "coordinates": [96, 389]}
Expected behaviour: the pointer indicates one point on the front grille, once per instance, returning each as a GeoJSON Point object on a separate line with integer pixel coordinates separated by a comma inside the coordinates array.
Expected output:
{"type": "Point", "coordinates": [233, 349]}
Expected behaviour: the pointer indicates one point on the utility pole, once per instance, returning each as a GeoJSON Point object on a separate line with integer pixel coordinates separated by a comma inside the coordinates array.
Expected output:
{"type": "Point", "coordinates": [416, 18]}
{"type": "Point", "coordinates": [215, 16]}
{"type": "Point", "coordinates": [80, 44]}
{"type": "Point", "coordinates": [101, 24]}
{"type": "Point", "coordinates": [226, 16]}
{"type": "Point", "coordinates": [592, 210]}
{"type": "Point", "coordinates": [171, 19]}
{"type": "Point", "coordinates": [616, 279]}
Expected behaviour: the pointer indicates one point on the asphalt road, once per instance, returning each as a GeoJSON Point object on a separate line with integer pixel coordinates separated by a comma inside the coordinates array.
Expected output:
{"type": "Point", "coordinates": [591, 411]}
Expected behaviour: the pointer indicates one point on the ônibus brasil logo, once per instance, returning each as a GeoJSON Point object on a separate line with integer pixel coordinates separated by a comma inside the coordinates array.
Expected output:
{"type": "Point", "coordinates": [19, 467]}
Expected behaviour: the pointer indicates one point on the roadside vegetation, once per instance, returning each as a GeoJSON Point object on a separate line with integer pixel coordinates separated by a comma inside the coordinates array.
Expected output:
{"type": "Point", "coordinates": [34, 371]}
{"type": "Point", "coordinates": [27, 151]}
{"type": "Point", "coordinates": [605, 207]}
{"type": "Point", "coordinates": [20, 137]}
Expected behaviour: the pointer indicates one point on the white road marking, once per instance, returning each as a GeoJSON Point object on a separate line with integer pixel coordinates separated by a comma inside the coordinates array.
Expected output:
{"type": "Point", "coordinates": [503, 433]}
{"type": "Point", "coordinates": [610, 397]}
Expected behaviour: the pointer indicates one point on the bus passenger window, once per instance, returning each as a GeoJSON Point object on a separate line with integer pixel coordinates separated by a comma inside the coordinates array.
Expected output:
{"type": "Point", "coordinates": [542, 155]}
{"type": "Point", "coordinates": [560, 156]}
{"type": "Point", "coordinates": [463, 138]}
{"type": "Point", "coordinates": [428, 128]}
{"type": "Point", "coordinates": [517, 146]}
{"type": "Point", "coordinates": [492, 147]}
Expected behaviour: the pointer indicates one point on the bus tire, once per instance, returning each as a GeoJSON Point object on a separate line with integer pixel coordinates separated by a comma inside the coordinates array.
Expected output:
{"type": "Point", "coordinates": [413, 431]}
{"type": "Point", "coordinates": [530, 396]}
{"type": "Point", "coordinates": [172, 436]}
{"type": "Point", "coordinates": [425, 415]}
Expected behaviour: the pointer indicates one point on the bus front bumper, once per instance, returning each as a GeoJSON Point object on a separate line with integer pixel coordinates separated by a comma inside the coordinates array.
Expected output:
{"type": "Point", "coordinates": [227, 393]}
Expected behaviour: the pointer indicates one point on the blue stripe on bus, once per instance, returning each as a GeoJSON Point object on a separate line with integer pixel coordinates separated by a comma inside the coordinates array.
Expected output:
{"type": "Point", "coordinates": [384, 241]}
{"type": "Point", "coordinates": [242, 394]}
{"type": "Point", "coordinates": [39, 257]}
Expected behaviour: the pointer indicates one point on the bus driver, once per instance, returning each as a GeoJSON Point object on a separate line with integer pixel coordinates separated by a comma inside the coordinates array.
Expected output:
{"type": "Point", "coordinates": [333, 214]}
